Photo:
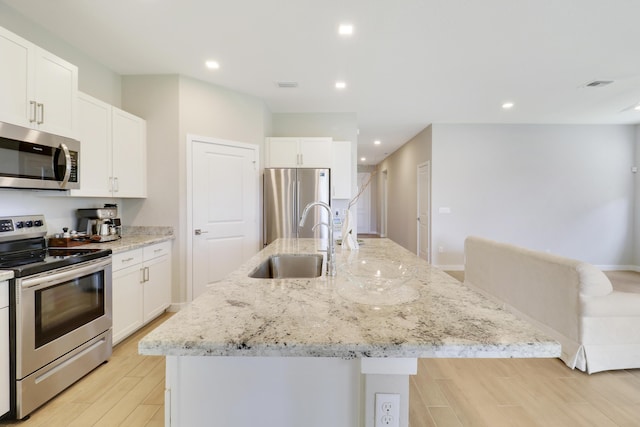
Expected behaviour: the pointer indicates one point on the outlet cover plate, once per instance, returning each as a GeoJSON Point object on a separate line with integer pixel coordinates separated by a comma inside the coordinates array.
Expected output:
{"type": "Point", "coordinates": [387, 413]}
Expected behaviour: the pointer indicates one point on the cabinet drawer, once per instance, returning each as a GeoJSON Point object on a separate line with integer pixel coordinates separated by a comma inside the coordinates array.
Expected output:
{"type": "Point", "coordinates": [4, 295]}
{"type": "Point", "coordinates": [156, 250]}
{"type": "Point", "coordinates": [126, 259]}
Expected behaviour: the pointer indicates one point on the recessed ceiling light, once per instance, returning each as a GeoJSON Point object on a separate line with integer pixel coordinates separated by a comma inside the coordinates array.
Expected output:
{"type": "Point", "coordinates": [340, 85]}
{"type": "Point", "coordinates": [507, 105]}
{"type": "Point", "coordinates": [377, 142]}
{"type": "Point", "coordinates": [345, 29]}
{"type": "Point", "coordinates": [637, 107]}
{"type": "Point", "coordinates": [362, 159]}
{"type": "Point", "coordinates": [212, 65]}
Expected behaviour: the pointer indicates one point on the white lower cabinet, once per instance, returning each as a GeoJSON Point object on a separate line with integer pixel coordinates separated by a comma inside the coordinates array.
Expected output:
{"type": "Point", "coordinates": [141, 287]}
{"type": "Point", "coordinates": [157, 280]}
{"type": "Point", "coordinates": [5, 385]}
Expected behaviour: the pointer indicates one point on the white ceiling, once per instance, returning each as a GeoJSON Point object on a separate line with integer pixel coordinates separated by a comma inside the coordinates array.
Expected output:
{"type": "Point", "coordinates": [409, 63]}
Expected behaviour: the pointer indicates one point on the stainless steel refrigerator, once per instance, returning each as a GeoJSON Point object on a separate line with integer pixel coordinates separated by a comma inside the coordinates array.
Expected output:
{"type": "Point", "coordinates": [286, 193]}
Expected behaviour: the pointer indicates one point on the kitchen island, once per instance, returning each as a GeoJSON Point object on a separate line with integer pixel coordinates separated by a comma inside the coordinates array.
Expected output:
{"type": "Point", "coordinates": [314, 352]}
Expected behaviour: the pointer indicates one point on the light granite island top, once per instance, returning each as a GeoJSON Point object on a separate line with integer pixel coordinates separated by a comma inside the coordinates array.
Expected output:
{"type": "Point", "coordinates": [383, 302]}
{"type": "Point", "coordinates": [283, 351]}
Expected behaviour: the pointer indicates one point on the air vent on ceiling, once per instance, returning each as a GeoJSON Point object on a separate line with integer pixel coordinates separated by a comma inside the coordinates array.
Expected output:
{"type": "Point", "coordinates": [287, 85]}
{"type": "Point", "coordinates": [599, 83]}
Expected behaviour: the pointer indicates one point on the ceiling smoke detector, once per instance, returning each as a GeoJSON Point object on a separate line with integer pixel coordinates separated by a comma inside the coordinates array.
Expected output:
{"type": "Point", "coordinates": [598, 83]}
{"type": "Point", "coordinates": [287, 85]}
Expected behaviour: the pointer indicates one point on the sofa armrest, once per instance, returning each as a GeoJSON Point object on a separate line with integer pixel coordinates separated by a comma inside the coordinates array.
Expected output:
{"type": "Point", "coordinates": [615, 304]}
{"type": "Point", "coordinates": [593, 282]}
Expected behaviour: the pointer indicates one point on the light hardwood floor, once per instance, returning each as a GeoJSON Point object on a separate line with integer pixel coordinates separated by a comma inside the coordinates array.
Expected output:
{"type": "Point", "coordinates": [128, 391]}
{"type": "Point", "coordinates": [522, 393]}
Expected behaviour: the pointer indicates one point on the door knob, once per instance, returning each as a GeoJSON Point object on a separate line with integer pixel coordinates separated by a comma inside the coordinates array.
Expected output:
{"type": "Point", "coordinates": [199, 232]}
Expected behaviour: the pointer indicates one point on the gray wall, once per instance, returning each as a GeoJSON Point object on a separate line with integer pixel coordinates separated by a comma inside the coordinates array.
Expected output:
{"type": "Point", "coordinates": [93, 77]}
{"type": "Point", "coordinates": [566, 189]}
{"type": "Point", "coordinates": [402, 187]}
{"type": "Point", "coordinates": [339, 126]}
{"type": "Point", "coordinates": [174, 107]}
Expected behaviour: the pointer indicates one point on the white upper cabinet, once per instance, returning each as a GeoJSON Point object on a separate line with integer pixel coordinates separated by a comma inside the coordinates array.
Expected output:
{"type": "Point", "coordinates": [112, 151]}
{"type": "Point", "coordinates": [94, 129]}
{"type": "Point", "coordinates": [298, 152]}
{"type": "Point", "coordinates": [129, 135]}
{"type": "Point", "coordinates": [39, 90]}
{"type": "Point", "coordinates": [341, 170]}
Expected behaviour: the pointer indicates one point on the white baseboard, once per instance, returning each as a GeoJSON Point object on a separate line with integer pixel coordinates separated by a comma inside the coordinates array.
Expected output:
{"type": "Point", "coordinates": [176, 306]}
{"type": "Point", "coordinates": [619, 267]}
{"type": "Point", "coordinates": [452, 267]}
{"type": "Point", "coordinates": [458, 267]}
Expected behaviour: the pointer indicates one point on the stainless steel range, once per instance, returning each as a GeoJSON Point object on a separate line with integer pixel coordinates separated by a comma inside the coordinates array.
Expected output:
{"type": "Point", "coordinates": [60, 311]}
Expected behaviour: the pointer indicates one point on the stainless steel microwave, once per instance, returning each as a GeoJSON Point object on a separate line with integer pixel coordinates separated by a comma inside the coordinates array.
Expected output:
{"type": "Point", "coordinates": [33, 159]}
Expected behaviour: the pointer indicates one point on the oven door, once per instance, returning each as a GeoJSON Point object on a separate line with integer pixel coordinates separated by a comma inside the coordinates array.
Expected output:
{"type": "Point", "coordinates": [60, 310]}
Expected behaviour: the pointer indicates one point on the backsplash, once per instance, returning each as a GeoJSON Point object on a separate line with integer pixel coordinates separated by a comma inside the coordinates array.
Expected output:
{"type": "Point", "coordinates": [58, 208]}
{"type": "Point", "coordinates": [134, 230]}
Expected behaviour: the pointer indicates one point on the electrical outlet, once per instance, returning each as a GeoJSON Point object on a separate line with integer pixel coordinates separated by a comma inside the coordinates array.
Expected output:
{"type": "Point", "coordinates": [387, 411]}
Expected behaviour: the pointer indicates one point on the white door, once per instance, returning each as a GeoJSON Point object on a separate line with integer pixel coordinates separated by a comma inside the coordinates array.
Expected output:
{"type": "Point", "coordinates": [364, 204]}
{"type": "Point", "coordinates": [424, 189]}
{"type": "Point", "coordinates": [225, 195]}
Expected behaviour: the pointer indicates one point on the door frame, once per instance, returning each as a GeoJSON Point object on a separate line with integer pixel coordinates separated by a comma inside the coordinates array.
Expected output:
{"type": "Point", "coordinates": [428, 197]}
{"type": "Point", "coordinates": [191, 140]}
{"type": "Point", "coordinates": [384, 201]}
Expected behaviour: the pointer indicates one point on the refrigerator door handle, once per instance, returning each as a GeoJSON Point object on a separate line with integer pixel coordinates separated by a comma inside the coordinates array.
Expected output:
{"type": "Point", "coordinates": [296, 207]}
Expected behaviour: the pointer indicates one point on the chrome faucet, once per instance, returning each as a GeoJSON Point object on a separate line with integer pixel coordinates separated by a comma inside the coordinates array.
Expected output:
{"type": "Point", "coordinates": [331, 252]}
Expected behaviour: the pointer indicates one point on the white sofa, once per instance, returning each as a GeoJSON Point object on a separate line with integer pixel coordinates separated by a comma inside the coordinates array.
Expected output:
{"type": "Point", "coordinates": [572, 301]}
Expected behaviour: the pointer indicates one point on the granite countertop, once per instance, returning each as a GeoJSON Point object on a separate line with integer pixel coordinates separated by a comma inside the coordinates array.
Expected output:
{"type": "Point", "coordinates": [134, 238]}
{"type": "Point", "coordinates": [383, 302]}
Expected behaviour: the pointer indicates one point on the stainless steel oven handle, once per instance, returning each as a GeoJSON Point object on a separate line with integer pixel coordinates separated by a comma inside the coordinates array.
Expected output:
{"type": "Point", "coordinates": [48, 279]}
{"type": "Point", "coordinates": [67, 171]}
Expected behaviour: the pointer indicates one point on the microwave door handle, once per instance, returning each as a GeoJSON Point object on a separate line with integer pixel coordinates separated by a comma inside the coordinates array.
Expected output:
{"type": "Point", "coordinates": [67, 170]}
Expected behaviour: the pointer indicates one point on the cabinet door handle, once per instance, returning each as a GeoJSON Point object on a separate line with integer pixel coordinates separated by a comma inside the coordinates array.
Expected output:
{"type": "Point", "coordinates": [127, 259]}
{"type": "Point", "coordinates": [32, 111]}
{"type": "Point", "coordinates": [41, 109]}
{"type": "Point", "coordinates": [145, 274]}
{"type": "Point", "coordinates": [116, 185]}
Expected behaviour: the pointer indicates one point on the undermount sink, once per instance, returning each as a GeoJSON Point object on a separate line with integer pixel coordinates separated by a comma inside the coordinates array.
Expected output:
{"type": "Point", "coordinates": [289, 266]}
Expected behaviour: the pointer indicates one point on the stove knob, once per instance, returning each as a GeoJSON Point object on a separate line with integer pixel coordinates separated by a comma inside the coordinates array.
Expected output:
{"type": "Point", "coordinates": [37, 223]}
{"type": "Point", "coordinates": [28, 224]}
{"type": "Point", "coordinates": [19, 224]}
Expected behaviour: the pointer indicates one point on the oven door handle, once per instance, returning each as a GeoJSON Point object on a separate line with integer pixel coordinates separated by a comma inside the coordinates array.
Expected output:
{"type": "Point", "coordinates": [48, 279]}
